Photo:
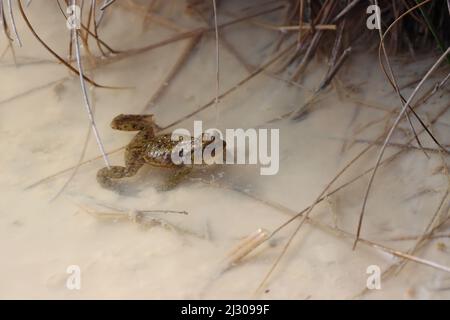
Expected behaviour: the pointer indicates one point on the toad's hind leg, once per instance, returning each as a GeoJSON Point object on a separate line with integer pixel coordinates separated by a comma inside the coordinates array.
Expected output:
{"type": "Point", "coordinates": [107, 177]}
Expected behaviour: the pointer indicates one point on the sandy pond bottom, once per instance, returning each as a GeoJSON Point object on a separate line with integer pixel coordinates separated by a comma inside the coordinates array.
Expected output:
{"type": "Point", "coordinates": [43, 127]}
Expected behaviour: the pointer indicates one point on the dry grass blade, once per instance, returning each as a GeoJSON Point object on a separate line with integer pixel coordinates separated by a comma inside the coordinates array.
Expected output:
{"type": "Point", "coordinates": [392, 79]}
{"type": "Point", "coordinates": [300, 113]}
{"type": "Point", "coordinates": [389, 135]}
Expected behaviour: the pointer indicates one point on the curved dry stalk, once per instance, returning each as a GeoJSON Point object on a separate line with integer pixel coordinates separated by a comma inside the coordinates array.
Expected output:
{"type": "Point", "coordinates": [393, 81]}
{"type": "Point", "coordinates": [60, 59]}
{"type": "Point", "coordinates": [389, 135]}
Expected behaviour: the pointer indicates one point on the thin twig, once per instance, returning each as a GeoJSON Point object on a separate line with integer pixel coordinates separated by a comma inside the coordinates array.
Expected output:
{"type": "Point", "coordinates": [235, 87]}
{"type": "Point", "coordinates": [86, 98]}
{"type": "Point", "coordinates": [216, 30]}
{"type": "Point", "coordinates": [173, 72]}
{"type": "Point", "coordinates": [13, 24]}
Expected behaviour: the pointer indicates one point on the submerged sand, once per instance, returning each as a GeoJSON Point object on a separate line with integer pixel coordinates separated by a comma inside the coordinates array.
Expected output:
{"type": "Point", "coordinates": [43, 126]}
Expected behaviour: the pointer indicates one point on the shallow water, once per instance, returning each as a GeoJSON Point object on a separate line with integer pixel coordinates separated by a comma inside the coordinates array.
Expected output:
{"type": "Point", "coordinates": [43, 126]}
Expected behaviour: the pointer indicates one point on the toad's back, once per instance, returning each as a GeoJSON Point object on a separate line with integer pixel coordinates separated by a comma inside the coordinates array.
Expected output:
{"type": "Point", "coordinates": [159, 151]}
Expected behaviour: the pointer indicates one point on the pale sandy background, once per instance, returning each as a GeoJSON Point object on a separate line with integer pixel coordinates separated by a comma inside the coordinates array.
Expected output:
{"type": "Point", "coordinates": [43, 126]}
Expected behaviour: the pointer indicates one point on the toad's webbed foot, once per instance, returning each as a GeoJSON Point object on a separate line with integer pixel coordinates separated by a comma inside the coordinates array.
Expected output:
{"type": "Point", "coordinates": [106, 177]}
